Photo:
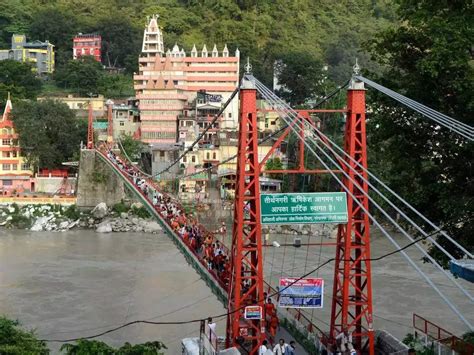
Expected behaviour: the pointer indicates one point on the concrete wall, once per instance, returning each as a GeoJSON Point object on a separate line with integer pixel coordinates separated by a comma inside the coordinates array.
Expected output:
{"type": "Point", "coordinates": [51, 185]}
{"type": "Point", "coordinates": [97, 183]}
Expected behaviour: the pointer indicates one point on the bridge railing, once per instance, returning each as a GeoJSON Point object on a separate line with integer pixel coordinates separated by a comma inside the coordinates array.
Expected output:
{"type": "Point", "coordinates": [433, 332]}
{"type": "Point", "coordinates": [297, 314]}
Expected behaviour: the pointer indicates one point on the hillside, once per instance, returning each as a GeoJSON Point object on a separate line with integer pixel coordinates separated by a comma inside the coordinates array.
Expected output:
{"type": "Point", "coordinates": [328, 31]}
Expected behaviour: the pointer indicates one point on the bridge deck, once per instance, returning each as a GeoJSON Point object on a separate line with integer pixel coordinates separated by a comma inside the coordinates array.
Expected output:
{"type": "Point", "coordinates": [302, 329]}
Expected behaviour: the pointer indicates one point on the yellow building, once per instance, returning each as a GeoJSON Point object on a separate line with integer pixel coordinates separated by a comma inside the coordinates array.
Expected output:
{"type": "Point", "coordinates": [41, 54]}
{"type": "Point", "coordinates": [80, 105]}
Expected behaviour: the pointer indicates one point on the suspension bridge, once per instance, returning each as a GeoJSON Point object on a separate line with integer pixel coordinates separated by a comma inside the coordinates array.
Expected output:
{"type": "Point", "coordinates": [352, 297]}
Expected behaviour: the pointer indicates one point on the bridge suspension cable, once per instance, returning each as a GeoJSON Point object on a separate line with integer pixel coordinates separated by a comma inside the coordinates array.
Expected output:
{"type": "Point", "coordinates": [287, 110]}
{"type": "Point", "coordinates": [261, 88]}
{"type": "Point", "coordinates": [270, 136]}
{"type": "Point", "coordinates": [459, 127]}
{"type": "Point", "coordinates": [403, 231]}
{"type": "Point", "coordinates": [186, 151]}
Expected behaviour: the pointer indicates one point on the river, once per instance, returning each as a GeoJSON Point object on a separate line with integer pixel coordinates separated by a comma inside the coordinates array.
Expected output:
{"type": "Point", "coordinates": [80, 283]}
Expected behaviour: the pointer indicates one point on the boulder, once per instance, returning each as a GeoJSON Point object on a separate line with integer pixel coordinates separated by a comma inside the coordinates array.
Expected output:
{"type": "Point", "coordinates": [104, 227]}
{"type": "Point", "coordinates": [124, 215]}
{"type": "Point", "coordinates": [63, 225]}
{"type": "Point", "coordinates": [136, 205]}
{"type": "Point", "coordinates": [100, 211]}
{"type": "Point", "coordinates": [41, 224]}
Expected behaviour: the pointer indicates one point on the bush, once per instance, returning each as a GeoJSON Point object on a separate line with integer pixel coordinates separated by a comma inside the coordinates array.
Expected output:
{"type": "Point", "coordinates": [120, 207]}
{"type": "Point", "coordinates": [19, 221]}
{"type": "Point", "coordinates": [141, 212]}
{"type": "Point", "coordinates": [72, 212]}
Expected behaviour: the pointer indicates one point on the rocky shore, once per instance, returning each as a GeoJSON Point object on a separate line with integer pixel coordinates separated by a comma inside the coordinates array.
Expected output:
{"type": "Point", "coordinates": [57, 218]}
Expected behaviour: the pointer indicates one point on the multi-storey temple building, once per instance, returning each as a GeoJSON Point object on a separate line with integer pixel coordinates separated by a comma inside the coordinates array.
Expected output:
{"type": "Point", "coordinates": [15, 173]}
{"type": "Point", "coordinates": [168, 83]}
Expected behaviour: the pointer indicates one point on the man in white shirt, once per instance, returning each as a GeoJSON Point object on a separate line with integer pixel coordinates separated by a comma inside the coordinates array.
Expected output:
{"type": "Point", "coordinates": [344, 342]}
{"type": "Point", "coordinates": [280, 348]}
{"type": "Point", "coordinates": [262, 350]}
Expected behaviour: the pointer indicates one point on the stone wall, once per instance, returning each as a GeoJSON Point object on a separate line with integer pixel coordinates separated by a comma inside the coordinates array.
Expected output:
{"type": "Point", "coordinates": [51, 185]}
{"type": "Point", "coordinates": [97, 182]}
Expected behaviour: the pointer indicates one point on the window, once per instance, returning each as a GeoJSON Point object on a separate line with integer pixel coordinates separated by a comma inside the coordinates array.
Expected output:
{"type": "Point", "coordinates": [214, 155]}
{"type": "Point", "coordinates": [14, 166]}
{"type": "Point", "coordinates": [25, 166]}
{"type": "Point", "coordinates": [208, 155]}
{"type": "Point", "coordinates": [6, 141]}
{"type": "Point", "coordinates": [230, 114]}
{"type": "Point", "coordinates": [122, 123]}
{"type": "Point", "coordinates": [162, 153]}
{"type": "Point", "coordinates": [6, 167]}
{"type": "Point", "coordinates": [7, 182]}
{"type": "Point", "coordinates": [6, 154]}
{"type": "Point", "coordinates": [193, 158]}
{"type": "Point", "coordinates": [185, 159]}
{"type": "Point", "coordinates": [14, 154]}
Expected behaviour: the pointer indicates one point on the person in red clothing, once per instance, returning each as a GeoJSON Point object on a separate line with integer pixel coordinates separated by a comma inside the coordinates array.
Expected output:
{"type": "Point", "coordinates": [270, 310]}
{"type": "Point", "coordinates": [274, 324]}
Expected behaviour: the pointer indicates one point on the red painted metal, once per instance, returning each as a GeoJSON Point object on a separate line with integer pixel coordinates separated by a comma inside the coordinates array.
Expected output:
{"type": "Point", "coordinates": [352, 292]}
{"type": "Point", "coordinates": [110, 126]}
{"type": "Point", "coordinates": [246, 285]}
{"type": "Point", "coordinates": [90, 128]}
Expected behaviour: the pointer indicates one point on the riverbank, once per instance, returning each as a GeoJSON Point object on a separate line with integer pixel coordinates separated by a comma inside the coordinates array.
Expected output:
{"type": "Point", "coordinates": [121, 217]}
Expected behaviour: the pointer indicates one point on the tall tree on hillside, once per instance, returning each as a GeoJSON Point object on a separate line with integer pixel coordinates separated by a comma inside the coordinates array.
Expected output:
{"type": "Point", "coordinates": [18, 79]}
{"type": "Point", "coordinates": [301, 76]}
{"type": "Point", "coordinates": [49, 132]}
{"type": "Point", "coordinates": [121, 42]}
{"type": "Point", "coordinates": [58, 27]}
{"type": "Point", "coordinates": [14, 340]}
{"type": "Point", "coordinates": [83, 75]}
{"type": "Point", "coordinates": [429, 59]}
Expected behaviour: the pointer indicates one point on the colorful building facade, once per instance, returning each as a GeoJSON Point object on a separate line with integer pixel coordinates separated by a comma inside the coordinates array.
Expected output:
{"type": "Point", "coordinates": [87, 44]}
{"type": "Point", "coordinates": [15, 173]}
{"type": "Point", "coordinates": [168, 83]}
{"type": "Point", "coordinates": [40, 54]}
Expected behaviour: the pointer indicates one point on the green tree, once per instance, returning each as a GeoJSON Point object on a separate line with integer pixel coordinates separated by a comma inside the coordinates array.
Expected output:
{"type": "Point", "coordinates": [82, 76]}
{"type": "Point", "coordinates": [58, 26]}
{"type": "Point", "coordinates": [274, 164]}
{"type": "Point", "coordinates": [121, 41]}
{"type": "Point", "coordinates": [91, 347]}
{"type": "Point", "coordinates": [116, 85]}
{"type": "Point", "coordinates": [429, 59]}
{"type": "Point", "coordinates": [49, 132]}
{"type": "Point", "coordinates": [131, 147]}
{"type": "Point", "coordinates": [301, 76]}
{"type": "Point", "coordinates": [16, 341]}
{"type": "Point", "coordinates": [18, 79]}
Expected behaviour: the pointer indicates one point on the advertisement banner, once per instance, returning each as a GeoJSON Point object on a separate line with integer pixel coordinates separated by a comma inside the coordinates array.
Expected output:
{"type": "Point", "coordinates": [253, 312]}
{"type": "Point", "coordinates": [304, 293]}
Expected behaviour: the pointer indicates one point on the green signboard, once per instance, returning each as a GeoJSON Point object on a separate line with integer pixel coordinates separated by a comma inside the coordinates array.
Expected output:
{"type": "Point", "coordinates": [100, 125]}
{"type": "Point", "coordinates": [302, 208]}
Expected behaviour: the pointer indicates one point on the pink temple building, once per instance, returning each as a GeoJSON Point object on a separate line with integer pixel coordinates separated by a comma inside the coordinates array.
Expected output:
{"type": "Point", "coordinates": [168, 82]}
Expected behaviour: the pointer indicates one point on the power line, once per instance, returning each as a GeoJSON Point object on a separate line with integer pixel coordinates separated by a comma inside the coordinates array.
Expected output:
{"type": "Point", "coordinates": [401, 249]}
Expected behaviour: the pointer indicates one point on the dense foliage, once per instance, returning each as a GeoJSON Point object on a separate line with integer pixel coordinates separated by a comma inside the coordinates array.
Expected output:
{"type": "Point", "coordinates": [18, 80]}
{"type": "Point", "coordinates": [428, 58]}
{"type": "Point", "coordinates": [50, 134]}
{"type": "Point", "coordinates": [16, 341]}
{"type": "Point", "coordinates": [265, 30]}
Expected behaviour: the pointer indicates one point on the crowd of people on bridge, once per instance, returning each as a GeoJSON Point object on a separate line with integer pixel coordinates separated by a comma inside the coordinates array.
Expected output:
{"type": "Point", "coordinates": [212, 254]}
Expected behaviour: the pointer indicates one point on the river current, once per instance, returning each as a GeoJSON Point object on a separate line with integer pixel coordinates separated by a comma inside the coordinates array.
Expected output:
{"type": "Point", "coordinates": [80, 283]}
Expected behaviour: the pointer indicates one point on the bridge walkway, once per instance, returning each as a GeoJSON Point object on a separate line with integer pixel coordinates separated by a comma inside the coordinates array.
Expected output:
{"type": "Point", "coordinates": [295, 324]}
